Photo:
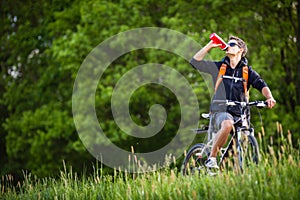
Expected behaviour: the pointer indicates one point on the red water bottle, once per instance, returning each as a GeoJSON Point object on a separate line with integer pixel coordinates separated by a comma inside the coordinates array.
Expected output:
{"type": "Point", "coordinates": [218, 40]}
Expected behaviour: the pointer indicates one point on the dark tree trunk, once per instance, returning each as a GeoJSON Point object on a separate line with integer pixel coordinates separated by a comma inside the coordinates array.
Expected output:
{"type": "Point", "coordinates": [298, 57]}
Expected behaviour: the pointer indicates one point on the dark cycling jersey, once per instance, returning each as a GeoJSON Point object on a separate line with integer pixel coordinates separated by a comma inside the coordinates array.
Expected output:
{"type": "Point", "coordinates": [231, 87]}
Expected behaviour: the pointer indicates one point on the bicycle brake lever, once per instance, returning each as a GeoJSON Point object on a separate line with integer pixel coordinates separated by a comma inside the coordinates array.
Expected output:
{"type": "Point", "coordinates": [231, 103]}
{"type": "Point", "coordinates": [261, 104]}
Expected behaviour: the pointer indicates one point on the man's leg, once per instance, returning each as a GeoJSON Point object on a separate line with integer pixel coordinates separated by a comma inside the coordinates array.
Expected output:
{"type": "Point", "coordinates": [225, 122]}
{"type": "Point", "coordinates": [221, 137]}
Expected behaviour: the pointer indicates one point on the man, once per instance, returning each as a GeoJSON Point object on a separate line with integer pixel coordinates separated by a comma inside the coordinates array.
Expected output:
{"type": "Point", "coordinates": [232, 88]}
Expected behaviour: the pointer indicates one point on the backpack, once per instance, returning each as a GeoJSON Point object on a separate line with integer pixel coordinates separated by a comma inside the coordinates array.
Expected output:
{"type": "Point", "coordinates": [222, 72]}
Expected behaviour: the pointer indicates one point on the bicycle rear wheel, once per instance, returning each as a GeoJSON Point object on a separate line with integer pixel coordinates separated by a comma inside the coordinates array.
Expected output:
{"type": "Point", "coordinates": [248, 151]}
{"type": "Point", "coordinates": [193, 163]}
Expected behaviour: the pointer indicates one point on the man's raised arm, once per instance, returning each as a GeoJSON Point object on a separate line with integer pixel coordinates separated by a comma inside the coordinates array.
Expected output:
{"type": "Point", "coordinates": [202, 52]}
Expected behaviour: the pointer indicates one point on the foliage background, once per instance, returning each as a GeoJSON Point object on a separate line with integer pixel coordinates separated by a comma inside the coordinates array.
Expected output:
{"type": "Point", "coordinates": [43, 44]}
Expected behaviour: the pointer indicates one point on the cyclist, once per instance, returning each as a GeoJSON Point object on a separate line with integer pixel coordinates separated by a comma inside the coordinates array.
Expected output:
{"type": "Point", "coordinates": [231, 88]}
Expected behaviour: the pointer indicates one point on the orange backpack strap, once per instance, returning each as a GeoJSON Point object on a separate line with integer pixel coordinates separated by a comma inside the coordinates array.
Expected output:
{"type": "Point", "coordinates": [220, 76]}
{"type": "Point", "coordinates": [245, 78]}
{"type": "Point", "coordinates": [222, 72]}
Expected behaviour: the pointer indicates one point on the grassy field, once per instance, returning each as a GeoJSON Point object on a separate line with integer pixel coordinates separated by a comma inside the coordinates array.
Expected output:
{"type": "Point", "coordinates": [276, 177]}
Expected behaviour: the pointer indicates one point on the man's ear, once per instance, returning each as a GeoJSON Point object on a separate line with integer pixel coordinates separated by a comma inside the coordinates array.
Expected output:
{"type": "Point", "coordinates": [242, 50]}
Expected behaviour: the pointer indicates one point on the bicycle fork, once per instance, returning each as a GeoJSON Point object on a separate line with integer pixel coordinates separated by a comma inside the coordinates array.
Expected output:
{"type": "Point", "coordinates": [242, 136]}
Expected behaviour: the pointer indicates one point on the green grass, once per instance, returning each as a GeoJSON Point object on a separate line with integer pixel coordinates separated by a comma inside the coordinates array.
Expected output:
{"type": "Point", "coordinates": [276, 177]}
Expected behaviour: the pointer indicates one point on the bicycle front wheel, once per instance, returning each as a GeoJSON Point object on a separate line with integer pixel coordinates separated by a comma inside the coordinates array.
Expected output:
{"type": "Point", "coordinates": [248, 152]}
{"type": "Point", "coordinates": [193, 163]}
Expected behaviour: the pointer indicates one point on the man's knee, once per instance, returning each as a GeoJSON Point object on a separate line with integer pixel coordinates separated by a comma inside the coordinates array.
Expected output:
{"type": "Point", "coordinates": [227, 125]}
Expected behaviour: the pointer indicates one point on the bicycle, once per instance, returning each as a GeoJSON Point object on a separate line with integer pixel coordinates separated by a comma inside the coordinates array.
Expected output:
{"type": "Point", "coordinates": [242, 143]}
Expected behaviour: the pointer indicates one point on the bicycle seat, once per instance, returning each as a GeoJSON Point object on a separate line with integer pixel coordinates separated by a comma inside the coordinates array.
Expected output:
{"type": "Point", "coordinates": [205, 115]}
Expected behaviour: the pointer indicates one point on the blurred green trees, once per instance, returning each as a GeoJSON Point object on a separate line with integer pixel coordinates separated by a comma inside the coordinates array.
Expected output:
{"type": "Point", "coordinates": [44, 43]}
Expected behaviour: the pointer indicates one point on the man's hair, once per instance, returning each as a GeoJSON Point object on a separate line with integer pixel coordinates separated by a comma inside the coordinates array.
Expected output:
{"type": "Point", "coordinates": [241, 44]}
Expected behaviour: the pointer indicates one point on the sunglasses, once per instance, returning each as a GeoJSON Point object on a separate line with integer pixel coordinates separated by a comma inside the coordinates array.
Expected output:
{"type": "Point", "coordinates": [232, 44]}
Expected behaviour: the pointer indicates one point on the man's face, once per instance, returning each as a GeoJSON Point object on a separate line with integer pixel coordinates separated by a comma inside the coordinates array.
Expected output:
{"type": "Point", "coordinates": [233, 48]}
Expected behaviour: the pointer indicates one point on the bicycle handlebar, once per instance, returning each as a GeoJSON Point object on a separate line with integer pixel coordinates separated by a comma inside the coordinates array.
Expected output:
{"type": "Point", "coordinates": [259, 104]}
